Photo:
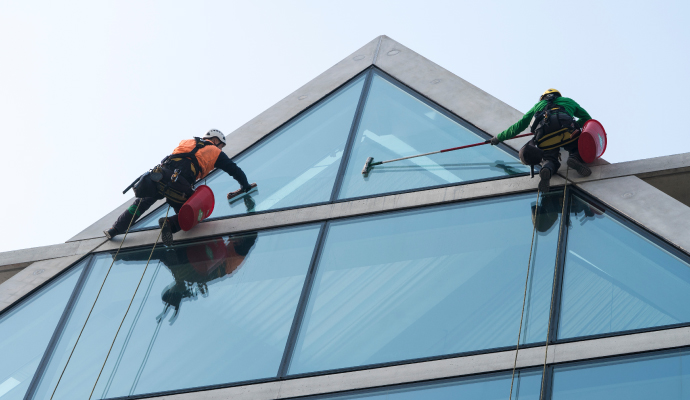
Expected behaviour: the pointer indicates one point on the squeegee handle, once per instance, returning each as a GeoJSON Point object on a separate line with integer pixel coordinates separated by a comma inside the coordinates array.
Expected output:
{"type": "Point", "coordinates": [446, 150]}
{"type": "Point", "coordinates": [481, 143]}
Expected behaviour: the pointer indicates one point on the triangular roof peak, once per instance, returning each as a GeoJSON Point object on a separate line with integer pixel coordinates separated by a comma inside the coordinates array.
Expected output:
{"type": "Point", "coordinates": [410, 68]}
{"type": "Point", "coordinates": [422, 75]}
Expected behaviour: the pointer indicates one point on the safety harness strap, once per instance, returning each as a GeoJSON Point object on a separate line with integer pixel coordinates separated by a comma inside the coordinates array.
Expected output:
{"type": "Point", "coordinates": [191, 156]}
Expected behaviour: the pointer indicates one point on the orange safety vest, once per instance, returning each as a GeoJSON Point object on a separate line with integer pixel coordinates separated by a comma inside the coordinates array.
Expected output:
{"type": "Point", "coordinates": [206, 156]}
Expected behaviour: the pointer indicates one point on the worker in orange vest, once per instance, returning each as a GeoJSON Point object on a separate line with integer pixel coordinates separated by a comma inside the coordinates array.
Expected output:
{"type": "Point", "coordinates": [173, 179]}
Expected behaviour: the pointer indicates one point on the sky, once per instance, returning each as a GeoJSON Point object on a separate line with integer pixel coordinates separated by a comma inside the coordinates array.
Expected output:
{"type": "Point", "coordinates": [94, 93]}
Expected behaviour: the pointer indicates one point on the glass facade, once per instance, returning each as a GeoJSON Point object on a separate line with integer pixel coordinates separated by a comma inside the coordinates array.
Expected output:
{"type": "Point", "coordinates": [616, 279]}
{"type": "Point", "coordinates": [426, 283]}
{"type": "Point", "coordinates": [26, 330]}
{"type": "Point", "coordinates": [656, 376]}
{"type": "Point", "coordinates": [298, 164]}
{"type": "Point", "coordinates": [386, 288]}
{"type": "Point", "coordinates": [397, 124]}
{"type": "Point", "coordinates": [527, 386]}
{"type": "Point", "coordinates": [207, 313]}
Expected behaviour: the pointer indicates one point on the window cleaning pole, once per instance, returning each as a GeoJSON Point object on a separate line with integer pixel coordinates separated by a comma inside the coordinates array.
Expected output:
{"type": "Point", "coordinates": [369, 163]}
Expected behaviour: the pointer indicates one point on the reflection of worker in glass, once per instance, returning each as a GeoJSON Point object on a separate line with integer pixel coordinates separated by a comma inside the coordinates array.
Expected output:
{"type": "Point", "coordinates": [196, 265]}
{"type": "Point", "coordinates": [550, 206]}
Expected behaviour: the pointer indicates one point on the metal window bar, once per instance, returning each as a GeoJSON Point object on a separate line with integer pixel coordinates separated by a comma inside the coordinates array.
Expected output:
{"type": "Point", "coordinates": [59, 329]}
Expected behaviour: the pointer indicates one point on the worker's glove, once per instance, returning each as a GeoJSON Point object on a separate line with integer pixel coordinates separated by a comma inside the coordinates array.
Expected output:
{"type": "Point", "coordinates": [241, 190]}
{"type": "Point", "coordinates": [495, 141]}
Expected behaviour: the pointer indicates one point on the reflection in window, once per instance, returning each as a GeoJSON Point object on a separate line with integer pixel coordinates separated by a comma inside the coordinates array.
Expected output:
{"type": "Point", "coordinates": [295, 166]}
{"type": "Point", "coordinates": [396, 124]}
{"type": "Point", "coordinates": [427, 283]}
{"type": "Point", "coordinates": [26, 330]}
{"type": "Point", "coordinates": [617, 280]}
{"type": "Point", "coordinates": [527, 386]}
{"type": "Point", "coordinates": [665, 376]}
{"type": "Point", "coordinates": [206, 313]}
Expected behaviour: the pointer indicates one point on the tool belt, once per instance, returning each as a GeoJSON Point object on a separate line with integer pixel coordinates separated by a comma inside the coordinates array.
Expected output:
{"type": "Point", "coordinates": [163, 182]}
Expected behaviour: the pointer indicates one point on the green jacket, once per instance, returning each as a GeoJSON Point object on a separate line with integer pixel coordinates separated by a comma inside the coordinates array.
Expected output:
{"type": "Point", "coordinates": [571, 107]}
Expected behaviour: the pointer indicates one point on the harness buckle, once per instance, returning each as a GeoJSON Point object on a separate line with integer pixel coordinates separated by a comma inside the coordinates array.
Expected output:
{"type": "Point", "coordinates": [175, 175]}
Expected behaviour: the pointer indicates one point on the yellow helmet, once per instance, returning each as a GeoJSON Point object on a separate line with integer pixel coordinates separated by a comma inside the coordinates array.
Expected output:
{"type": "Point", "coordinates": [549, 91]}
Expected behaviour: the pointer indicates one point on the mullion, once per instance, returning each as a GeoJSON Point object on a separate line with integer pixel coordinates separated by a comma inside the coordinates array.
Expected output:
{"type": "Point", "coordinates": [560, 264]}
{"type": "Point", "coordinates": [59, 329]}
{"type": "Point", "coordinates": [344, 160]}
{"type": "Point", "coordinates": [303, 300]}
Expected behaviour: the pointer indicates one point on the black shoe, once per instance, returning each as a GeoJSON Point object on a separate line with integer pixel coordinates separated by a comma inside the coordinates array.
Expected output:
{"type": "Point", "coordinates": [545, 182]}
{"type": "Point", "coordinates": [111, 233]}
{"type": "Point", "coordinates": [166, 232]}
{"type": "Point", "coordinates": [579, 166]}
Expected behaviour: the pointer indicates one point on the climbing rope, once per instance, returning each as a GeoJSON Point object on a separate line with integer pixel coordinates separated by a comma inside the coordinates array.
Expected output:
{"type": "Point", "coordinates": [553, 288]}
{"type": "Point", "coordinates": [524, 297]}
{"type": "Point", "coordinates": [95, 301]}
{"type": "Point", "coordinates": [130, 332]}
{"type": "Point", "coordinates": [555, 275]}
{"type": "Point", "coordinates": [130, 302]}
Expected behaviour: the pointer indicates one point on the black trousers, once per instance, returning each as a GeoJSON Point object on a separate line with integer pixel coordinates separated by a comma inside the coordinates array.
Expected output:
{"type": "Point", "coordinates": [144, 204]}
{"type": "Point", "coordinates": [551, 159]}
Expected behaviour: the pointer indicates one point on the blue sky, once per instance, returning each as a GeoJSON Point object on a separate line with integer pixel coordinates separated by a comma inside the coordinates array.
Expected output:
{"type": "Point", "coordinates": [94, 93]}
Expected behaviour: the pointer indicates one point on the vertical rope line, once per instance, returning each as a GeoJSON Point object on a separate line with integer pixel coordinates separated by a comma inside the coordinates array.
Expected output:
{"type": "Point", "coordinates": [130, 302]}
{"type": "Point", "coordinates": [524, 297]}
{"type": "Point", "coordinates": [553, 286]}
{"type": "Point", "coordinates": [129, 334]}
{"type": "Point", "coordinates": [95, 301]}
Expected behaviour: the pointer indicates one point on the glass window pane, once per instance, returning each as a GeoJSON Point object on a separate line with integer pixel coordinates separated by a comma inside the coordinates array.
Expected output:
{"type": "Point", "coordinates": [396, 124]}
{"type": "Point", "coordinates": [617, 280]}
{"type": "Point", "coordinates": [428, 282]}
{"type": "Point", "coordinates": [649, 377]}
{"type": "Point", "coordinates": [297, 165]}
{"type": "Point", "coordinates": [206, 313]}
{"type": "Point", "coordinates": [527, 386]}
{"type": "Point", "coordinates": [26, 330]}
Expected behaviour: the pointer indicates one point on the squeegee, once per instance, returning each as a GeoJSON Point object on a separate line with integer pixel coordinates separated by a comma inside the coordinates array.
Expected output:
{"type": "Point", "coordinates": [370, 161]}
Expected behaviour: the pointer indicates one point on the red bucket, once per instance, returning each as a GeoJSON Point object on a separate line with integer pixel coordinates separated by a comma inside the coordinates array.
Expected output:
{"type": "Point", "coordinates": [592, 142]}
{"type": "Point", "coordinates": [197, 208]}
{"type": "Point", "coordinates": [205, 257]}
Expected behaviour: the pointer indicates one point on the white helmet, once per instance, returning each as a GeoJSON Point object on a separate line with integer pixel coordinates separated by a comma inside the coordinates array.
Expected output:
{"type": "Point", "coordinates": [215, 133]}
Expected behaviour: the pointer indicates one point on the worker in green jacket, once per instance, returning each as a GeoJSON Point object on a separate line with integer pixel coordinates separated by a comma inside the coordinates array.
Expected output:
{"type": "Point", "coordinates": [554, 126]}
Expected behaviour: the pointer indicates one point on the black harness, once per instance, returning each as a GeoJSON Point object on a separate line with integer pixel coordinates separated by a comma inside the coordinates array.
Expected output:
{"type": "Point", "coordinates": [191, 156]}
{"type": "Point", "coordinates": [553, 127]}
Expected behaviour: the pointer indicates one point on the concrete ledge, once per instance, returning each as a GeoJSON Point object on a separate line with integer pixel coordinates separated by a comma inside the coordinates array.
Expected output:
{"type": "Point", "coordinates": [447, 368]}
{"type": "Point", "coordinates": [8, 271]}
{"type": "Point", "coordinates": [646, 205]}
{"type": "Point", "coordinates": [340, 210]}
{"type": "Point", "coordinates": [646, 168]}
{"type": "Point", "coordinates": [48, 252]}
{"type": "Point", "coordinates": [32, 277]}
{"type": "Point", "coordinates": [95, 230]}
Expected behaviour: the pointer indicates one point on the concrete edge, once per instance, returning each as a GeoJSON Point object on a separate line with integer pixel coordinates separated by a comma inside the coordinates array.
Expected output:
{"type": "Point", "coordinates": [31, 277]}
{"type": "Point", "coordinates": [646, 205]}
{"type": "Point", "coordinates": [645, 168]}
{"type": "Point", "coordinates": [345, 209]}
{"type": "Point", "coordinates": [448, 368]}
{"type": "Point", "coordinates": [48, 252]}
